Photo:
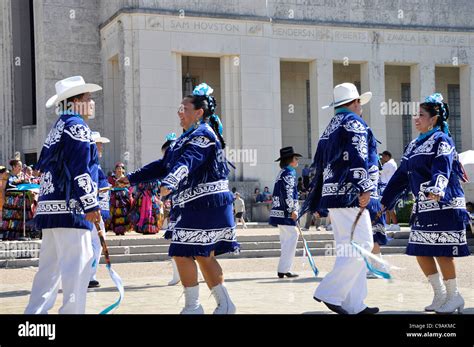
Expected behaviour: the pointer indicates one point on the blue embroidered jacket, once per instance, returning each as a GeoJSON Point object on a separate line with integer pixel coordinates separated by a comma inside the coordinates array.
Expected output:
{"type": "Point", "coordinates": [69, 175]}
{"type": "Point", "coordinates": [344, 165]}
{"type": "Point", "coordinates": [103, 196]}
{"type": "Point", "coordinates": [429, 165]}
{"type": "Point", "coordinates": [194, 168]}
{"type": "Point", "coordinates": [285, 198]}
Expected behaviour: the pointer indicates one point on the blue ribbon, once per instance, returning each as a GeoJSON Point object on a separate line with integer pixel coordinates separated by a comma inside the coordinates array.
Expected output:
{"type": "Point", "coordinates": [435, 98]}
{"type": "Point", "coordinates": [378, 273]}
{"type": "Point", "coordinates": [310, 258]}
{"type": "Point", "coordinates": [116, 189]}
{"type": "Point", "coordinates": [203, 90]}
{"type": "Point", "coordinates": [118, 283]}
{"type": "Point", "coordinates": [218, 120]}
{"type": "Point", "coordinates": [428, 133]}
{"type": "Point", "coordinates": [171, 137]}
{"type": "Point", "coordinates": [446, 127]}
{"type": "Point", "coordinates": [27, 186]}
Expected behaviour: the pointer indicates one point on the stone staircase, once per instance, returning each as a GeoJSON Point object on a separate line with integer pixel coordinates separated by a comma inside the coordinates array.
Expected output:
{"type": "Point", "coordinates": [147, 248]}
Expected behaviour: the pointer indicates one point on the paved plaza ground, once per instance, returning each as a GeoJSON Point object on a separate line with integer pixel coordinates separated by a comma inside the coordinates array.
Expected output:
{"type": "Point", "coordinates": [252, 284]}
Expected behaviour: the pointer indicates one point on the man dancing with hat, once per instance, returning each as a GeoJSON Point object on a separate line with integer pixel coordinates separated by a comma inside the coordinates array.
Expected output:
{"type": "Point", "coordinates": [342, 184]}
{"type": "Point", "coordinates": [68, 204]}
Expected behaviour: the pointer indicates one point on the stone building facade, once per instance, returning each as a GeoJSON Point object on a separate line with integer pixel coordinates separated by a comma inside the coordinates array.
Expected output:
{"type": "Point", "coordinates": [272, 63]}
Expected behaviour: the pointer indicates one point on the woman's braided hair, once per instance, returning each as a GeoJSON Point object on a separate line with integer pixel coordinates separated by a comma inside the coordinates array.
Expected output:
{"type": "Point", "coordinates": [208, 104]}
{"type": "Point", "coordinates": [435, 106]}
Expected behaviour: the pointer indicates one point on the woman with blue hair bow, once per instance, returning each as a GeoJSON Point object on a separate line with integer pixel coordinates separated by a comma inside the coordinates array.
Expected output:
{"type": "Point", "coordinates": [431, 170]}
{"type": "Point", "coordinates": [194, 173]}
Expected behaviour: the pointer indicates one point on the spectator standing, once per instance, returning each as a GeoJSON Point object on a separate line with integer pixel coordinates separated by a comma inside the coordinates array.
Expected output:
{"type": "Point", "coordinates": [389, 166]}
{"type": "Point", "coordinates": [240, 210]}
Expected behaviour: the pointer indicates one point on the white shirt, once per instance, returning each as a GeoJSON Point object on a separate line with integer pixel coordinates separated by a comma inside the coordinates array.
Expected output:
{"type": "Point", "coordinates": [239, 205]}
{"type": "Point", "coordinates": [388, 169]}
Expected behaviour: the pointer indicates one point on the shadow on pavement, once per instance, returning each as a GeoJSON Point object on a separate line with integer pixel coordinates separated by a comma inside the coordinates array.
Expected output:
{"type": "Point", "coordinates": [296, 280]}
{"type": "Point", "coordinates": [14, 293]}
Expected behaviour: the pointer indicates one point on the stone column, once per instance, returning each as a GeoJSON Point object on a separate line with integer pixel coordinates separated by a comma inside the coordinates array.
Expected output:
{"type": "Point", "coordinates": [129, 114]}
{"type": "Point", "coordinates": [466, 79]}
{"type": "Point", "coordinates": [157, 75]}
{"type": "Point", "coordinates": [422, 82]}
{"type": "Point", "coordinates": [321, 84]}
{"type": "Point", "coordinates": [275, 119]}
{"type": "Point", "coordinates": [41, 98]}
{"type": "Point", "coordinates": [231, 109]}
{"type": "Point", "coordinates": [261, 116]}
{"type": "Point", "coordinates": [372, 77]}
{"type": "Point", "coordinates": [6, 87]}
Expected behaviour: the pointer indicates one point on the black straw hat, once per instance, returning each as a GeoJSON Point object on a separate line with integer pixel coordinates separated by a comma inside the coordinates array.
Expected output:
{"type": "Point", "coordinates": [286, 152]}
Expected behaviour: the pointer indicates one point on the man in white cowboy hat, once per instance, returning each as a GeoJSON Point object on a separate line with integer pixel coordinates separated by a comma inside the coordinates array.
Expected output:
{"type": "Point", "coordinates": [68, 204]}
{"type": "Point", "coordinates": [343, 185]}
{"type": "Point", "coordinates": [104, 205]}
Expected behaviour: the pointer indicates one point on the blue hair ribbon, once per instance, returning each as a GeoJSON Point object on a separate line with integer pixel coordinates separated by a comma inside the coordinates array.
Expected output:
{"type": "Point", "coordinates": [171, 137]}
{"type": "Point", "coordinates": [216, 118]}
{"type": "Point", "coordinates": [203, 90]}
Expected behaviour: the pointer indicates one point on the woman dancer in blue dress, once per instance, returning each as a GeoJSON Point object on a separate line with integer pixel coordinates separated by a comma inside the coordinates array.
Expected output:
{"type": "Point", "coordinates": [195, 172]}
{"type": "Point", "coordinates": [431, 170]}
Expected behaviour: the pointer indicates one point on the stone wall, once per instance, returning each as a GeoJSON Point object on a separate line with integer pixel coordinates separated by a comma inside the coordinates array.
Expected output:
{"type": "Point", "coordinates": [2, 87]}
{"type": "Point", "coordinates": [68, 33]}
{"type": "Point", "coordinates": [420, 13]}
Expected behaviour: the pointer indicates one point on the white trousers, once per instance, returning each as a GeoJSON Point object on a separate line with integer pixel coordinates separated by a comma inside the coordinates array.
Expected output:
{"type": "Point", "coordinates": [66, 257]}
{"type": "Point", "coordinates": [346, 284]}
{"type": "Point", "coordinates": [97, 250]}
{"type": "Point", "coordinates": [288, 240]}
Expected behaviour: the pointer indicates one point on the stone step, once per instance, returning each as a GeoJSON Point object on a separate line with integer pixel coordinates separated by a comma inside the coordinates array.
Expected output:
{"type": "Point", "coordinates": [245, 245]}
{"type": "Point", "coordinates": [244, 253]}
{"type": "Point", "coordinates": [160, 245]}
{"type": "Point", "coordinates": [163, 256]}
{"type": "Point", "coordinates": [142, 249]}
{"type": "Point", "coordinates": [135, 241]}
{"type": "Point", "coordinates": [142, 240]}
{"type": "Point", "coordinates": [256, 225]}
{"type": "Point", "coordinates": [403, 234]}
{"type": "Point", "coordinates": [155, 248]}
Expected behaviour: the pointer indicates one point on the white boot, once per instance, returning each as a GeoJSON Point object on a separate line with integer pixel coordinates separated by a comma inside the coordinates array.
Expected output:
{"type": "Point", "coordinates": [175, 280]}
{"type": "Point", "coordinates": [439, 292]}
{"type": "Point", "coordinates": [192, 305]}
{"type": "Point", "coordinates": [454, 300]}
{"type": "Point", "coordinates": [224, 303]}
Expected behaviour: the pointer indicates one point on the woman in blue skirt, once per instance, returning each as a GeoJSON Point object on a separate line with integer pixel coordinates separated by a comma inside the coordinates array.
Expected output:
{"type": "Point", "coordinates": [194, 171]}
{"type": "Point", "coordinates": [431, 170]}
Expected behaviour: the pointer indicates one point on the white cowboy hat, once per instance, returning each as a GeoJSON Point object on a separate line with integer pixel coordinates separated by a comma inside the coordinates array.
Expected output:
{"type": "Point", "coordinates": [99, 139]}
{"type": "Point", "coordinates": [69, 87]}
{"type": "Point", "coordinates": [346, 92]}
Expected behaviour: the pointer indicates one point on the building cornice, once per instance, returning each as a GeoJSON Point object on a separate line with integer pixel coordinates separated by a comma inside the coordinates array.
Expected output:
{"type": "Point", "coordinates": [302, 22]}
